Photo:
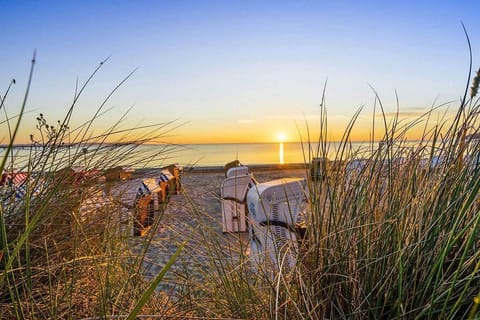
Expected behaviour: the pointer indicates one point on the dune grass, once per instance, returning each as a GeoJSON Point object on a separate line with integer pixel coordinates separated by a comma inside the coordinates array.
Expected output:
{"type": "Point", "coordinates": [63, 255]}
{"type": "Point", "coordinates": [393, 236]}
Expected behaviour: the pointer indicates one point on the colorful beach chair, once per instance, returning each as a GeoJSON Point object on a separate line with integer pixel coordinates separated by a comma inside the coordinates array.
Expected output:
{"type": "Point", "coordinates": [146, 203]}
{"type": "Point", "coordinates": [176, 171]}
{"type": "Point", "coordinates": [14, 183]}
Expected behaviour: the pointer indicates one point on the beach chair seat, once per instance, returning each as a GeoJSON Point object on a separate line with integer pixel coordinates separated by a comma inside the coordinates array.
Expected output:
{"type": "Point", "coordinates": [273, 243]}
{"type": "Point", "coordinates": [234, 208]}
{"type": "Point", "coordinates": [274, 208]}
{"type": "Point", "coordinates": [144, 215]}
{"type": "Point", "coordinates": [138, 196]}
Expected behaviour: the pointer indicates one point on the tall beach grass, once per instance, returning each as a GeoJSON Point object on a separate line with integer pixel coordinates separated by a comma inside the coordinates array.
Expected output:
{"type": "Point", "coordinates": [395, 235]}
{"type": "Point", "coordinates": [66, 248]}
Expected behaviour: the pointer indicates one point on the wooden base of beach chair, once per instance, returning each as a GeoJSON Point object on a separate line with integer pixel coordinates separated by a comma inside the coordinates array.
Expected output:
{"type": "Point", "coordinates": [144, 216]}
{"type": "Point", "coordinates": [164, 192]}
{"type": "Point", "coordinates": [234, 216]}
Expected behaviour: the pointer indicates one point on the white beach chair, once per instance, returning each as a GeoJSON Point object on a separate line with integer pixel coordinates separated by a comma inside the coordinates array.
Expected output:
{"type": "Point", "coordinates": [234, 208]}
{"type": "Point", "coordinates": [238, 171]}
{"type": "Point", "coordinates": [273, 208]}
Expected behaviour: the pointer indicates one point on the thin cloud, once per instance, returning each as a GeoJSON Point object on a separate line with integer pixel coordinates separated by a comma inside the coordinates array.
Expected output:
{"type": "Point", "coordinates": [402, 114]}
{"type": "Point", "coordinates": [245, 121]}
{"type": "Point", "coordinates": [297, 117]}
{"type": "Point", "coordinates": [411, 114]}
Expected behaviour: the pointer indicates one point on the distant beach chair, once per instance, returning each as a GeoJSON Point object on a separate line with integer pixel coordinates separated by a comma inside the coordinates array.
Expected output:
{"type": "Point", "coordinates": [77, 175]}
{"type": "Point", "coordinates": [16, 182]}
{"type": "Point", "coordinates": [167, 184]}
{"type": "Point", "coordinates": [176, 171]}
{"type": "Point", "coordinates": [118, 173]}
{"type": "Point", "coordinates": [234, 207]}
{"type": "Point", "coordinates": [319, 168]}
{"type": "Point", "coordinates": [144, 216]}
{"type": "Point", "coordinates": [126, 173]}
{"type": "Point", "coordinates": [274, 208]}
{"type": "Point", "coordinates": [155, 191]}
{"type": "Point", "coordinates": [145, 209]}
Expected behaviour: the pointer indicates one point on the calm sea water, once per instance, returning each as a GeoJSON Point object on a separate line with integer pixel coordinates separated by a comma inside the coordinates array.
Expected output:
{"type": "Point", "coordinates": [202, 154]}
{"type": "Point", "coordinates": [247, 153]}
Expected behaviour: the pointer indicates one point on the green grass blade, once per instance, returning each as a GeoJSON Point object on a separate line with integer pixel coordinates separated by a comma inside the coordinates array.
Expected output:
{"type": "Point", "coordinates": [146, 295]}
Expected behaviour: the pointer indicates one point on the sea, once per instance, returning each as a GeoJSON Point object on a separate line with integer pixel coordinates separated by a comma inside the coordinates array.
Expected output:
{"type": "Point", "coordinates": [214, 155]}
{"type": "Point", "coordinates": [202, 155]}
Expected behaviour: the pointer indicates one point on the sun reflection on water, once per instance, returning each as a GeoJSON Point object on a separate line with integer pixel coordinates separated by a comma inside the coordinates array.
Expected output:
{"type": "Point", "coordinates": [280, 154]}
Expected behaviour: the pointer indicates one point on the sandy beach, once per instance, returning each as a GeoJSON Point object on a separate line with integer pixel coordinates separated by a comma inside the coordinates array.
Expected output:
{"type": "Point", "coordinates": [195, 216]}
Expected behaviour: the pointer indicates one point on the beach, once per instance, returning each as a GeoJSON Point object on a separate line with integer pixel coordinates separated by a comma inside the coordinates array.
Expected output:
{"type": "Point", "coordinates": [195, 216]}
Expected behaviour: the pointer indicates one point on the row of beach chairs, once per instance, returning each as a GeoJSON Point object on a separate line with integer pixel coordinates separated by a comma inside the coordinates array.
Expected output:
{"type": "Point", "coordinates": [143, 196]}
{"type": "Point", "coordinates": [152, 194]}
{"type": "Point", "coordinates": [269, 211]}
{"type": "Point", "coordinates": [148, 196]}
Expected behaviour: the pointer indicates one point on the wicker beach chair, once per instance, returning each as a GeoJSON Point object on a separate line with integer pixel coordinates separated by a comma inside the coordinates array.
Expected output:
{"type": "Point", "coordinates": [274, 208]}
{"type": "Point", "coordinates": [144, 215]}
{"type": "Point", "coordinates": [167, 184]}
{"type": "Point", "coordinates": [118, 173]}
{"type": "Point", "coordinates": [14, 185]}
{"type": "Point", "coordinates": [234, 208]}
{"type": "Point", "coordinates": [176, 171]}
{"type": "Point", "coordinates": [146, 203]}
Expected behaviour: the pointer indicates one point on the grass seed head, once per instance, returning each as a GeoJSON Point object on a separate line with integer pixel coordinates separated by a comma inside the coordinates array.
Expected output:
{"type": "Point", "coordinates": [475, 83]}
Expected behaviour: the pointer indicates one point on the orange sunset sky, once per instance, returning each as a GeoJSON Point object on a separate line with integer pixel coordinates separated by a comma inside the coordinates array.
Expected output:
{"type": "Point", "coordinates": [236, 71]}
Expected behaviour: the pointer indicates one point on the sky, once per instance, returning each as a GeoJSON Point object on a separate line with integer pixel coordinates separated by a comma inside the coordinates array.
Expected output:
{"type": "Point", "coordinates": [235, 71]}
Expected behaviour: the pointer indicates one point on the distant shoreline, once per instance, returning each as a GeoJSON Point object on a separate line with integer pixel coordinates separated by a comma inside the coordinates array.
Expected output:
{"type": "Point", "coordinates": [213, 168]}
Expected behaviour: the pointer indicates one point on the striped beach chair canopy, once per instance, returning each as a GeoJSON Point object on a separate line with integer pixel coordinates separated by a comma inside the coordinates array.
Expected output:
{"type": "Point", "coordinates": [13, 178]}
{"type": "Point", "coordinates": [165, 176]}
{"type": "Point", "coordinates": [16, 181]}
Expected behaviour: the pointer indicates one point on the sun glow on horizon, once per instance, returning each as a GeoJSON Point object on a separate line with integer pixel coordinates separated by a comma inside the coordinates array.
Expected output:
{"type": "Point", "coordinates": [281, 137]}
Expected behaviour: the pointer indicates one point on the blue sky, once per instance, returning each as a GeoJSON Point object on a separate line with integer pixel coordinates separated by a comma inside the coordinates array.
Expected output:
{"type": "Point", "coordinates": [236, 71]}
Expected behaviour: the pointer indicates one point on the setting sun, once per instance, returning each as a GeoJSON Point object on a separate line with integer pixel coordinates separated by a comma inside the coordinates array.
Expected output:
{"type": "Point", "coordinates": [281, 137]}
